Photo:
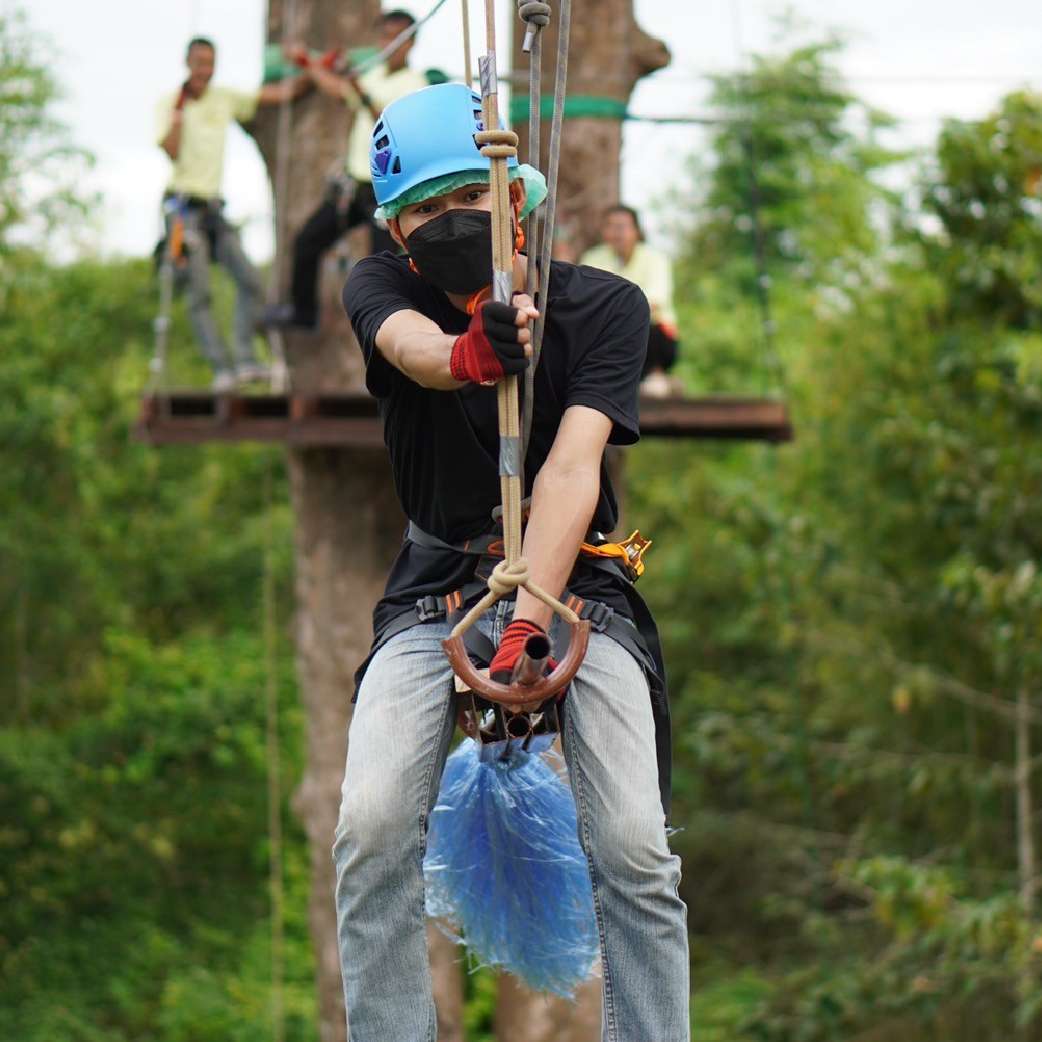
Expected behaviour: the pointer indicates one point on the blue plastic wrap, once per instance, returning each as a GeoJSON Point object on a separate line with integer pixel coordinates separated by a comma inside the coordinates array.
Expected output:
{"type": "Point", "coordinates": [504, 867]}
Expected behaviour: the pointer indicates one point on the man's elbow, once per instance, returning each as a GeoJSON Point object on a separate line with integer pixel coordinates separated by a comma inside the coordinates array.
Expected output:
{"type": "Point", "coordinates": [578, 482]}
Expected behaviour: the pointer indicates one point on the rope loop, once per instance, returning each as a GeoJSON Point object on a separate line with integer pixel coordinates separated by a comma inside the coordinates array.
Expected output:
{"type": "Point", "coordinates": [497, 144]}
{"type": "Point", "coordinates": [534, 11]}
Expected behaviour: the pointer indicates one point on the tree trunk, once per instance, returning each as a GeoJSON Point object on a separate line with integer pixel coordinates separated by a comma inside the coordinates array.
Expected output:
{"type": "Point", "coordinates": [348, 522]}
{"type": "Point", "coordinates": [523, 1015]}
{"type": "Point", "coordinates": [608, 54]}
{"type": "Point", "coordinates": [343, 504]}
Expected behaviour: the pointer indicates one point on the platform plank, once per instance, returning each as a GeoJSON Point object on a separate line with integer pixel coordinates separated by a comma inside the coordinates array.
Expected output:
{"type": "Point", "coordinates": [352, 419]}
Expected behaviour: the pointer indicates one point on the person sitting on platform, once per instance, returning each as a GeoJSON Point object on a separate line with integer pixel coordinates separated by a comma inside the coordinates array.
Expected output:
{"type": "Point", "coordinates": [192, 127]}
{"type": "Point", "coordinates": [350, 201]}
{"type": "Point", "coordinates": [433, 342]}
{"type": "Point", "coordinates": [624, 252]}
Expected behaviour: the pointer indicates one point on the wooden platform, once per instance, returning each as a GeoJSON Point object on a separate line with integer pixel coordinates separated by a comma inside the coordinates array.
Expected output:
{"type": "Point", "coordinates": [352, 418]}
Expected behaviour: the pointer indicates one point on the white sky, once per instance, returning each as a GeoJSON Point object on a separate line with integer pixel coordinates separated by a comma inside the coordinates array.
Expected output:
{"type": "Point", "coordinates": [920, 60]}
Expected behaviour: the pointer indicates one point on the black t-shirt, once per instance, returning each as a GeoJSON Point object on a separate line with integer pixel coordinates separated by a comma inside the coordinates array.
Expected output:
{"type": "Point", "coordinates": [444, 445]}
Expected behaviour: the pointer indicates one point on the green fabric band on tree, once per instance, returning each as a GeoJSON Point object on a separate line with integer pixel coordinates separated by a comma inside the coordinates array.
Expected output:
{"type": "Point", "coordinates": [574, 107]}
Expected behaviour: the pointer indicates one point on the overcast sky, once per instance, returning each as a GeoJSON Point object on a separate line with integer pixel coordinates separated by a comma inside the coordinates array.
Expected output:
{"type": "Point", "coordinates": [920, 60]}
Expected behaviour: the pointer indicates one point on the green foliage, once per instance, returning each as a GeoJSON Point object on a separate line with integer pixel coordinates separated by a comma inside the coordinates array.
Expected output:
{"type": "Point", "coordinates": [850, 620]}
{"type": "Point", "coordinates": [134, 842]}
{"type": "Point", "coordinates": [789, 177]}
{"type": "Point", "coordinates": [986, 196]}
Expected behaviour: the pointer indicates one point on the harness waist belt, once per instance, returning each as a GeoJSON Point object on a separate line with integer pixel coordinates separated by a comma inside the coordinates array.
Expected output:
{"type": "Point", "coordinates": [628, 554]}
{"type": "Point", "coordinates": [195, 202]}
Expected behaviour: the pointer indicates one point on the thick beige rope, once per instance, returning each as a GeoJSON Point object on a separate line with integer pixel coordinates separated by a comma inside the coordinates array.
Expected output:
{"type": "Point", "coordinates": [499, 146]}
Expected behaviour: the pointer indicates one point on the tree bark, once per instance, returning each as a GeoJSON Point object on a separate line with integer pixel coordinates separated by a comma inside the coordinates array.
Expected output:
{"type": "Point", "coordinates": [523, 1015]}
{"type": "Point", "coordinates": [345, 535]}
{"type": "Point", "coordinates": [608, 54]}
{"type": "Point", "coordinates": [348, 522]}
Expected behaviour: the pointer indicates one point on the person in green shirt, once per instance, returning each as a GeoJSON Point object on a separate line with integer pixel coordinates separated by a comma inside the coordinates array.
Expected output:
{"type": "Point", "coordinates": [624, 252]}
{"type": "Point", "coordinates": [192, 125]}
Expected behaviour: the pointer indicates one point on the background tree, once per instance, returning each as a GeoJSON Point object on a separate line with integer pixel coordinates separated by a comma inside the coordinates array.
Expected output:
{"type": "Point", "coordinates": [32, 140]}
{"type": "Point", "coordinates": [849, 630]}
{"type": "Point", "coordinates": [852, 621]}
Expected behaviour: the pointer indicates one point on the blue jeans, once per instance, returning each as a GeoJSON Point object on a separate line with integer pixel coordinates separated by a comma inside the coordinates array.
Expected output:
{"type": "Point", "coordinates": [400, 737]}
{"type": "Point", "coordinates": [229, 253]}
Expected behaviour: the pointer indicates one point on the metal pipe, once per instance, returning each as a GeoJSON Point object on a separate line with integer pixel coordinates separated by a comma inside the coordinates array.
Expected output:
{"type": "Point", "coordinates": [545, 729]}
{"type": "Point", "coordinates": [532, 663]}
{"type": "Point", "coordinates": [519, 730]}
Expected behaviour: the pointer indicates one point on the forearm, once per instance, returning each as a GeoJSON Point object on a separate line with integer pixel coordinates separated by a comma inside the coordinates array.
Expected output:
{"type": "Point", "coordinates": [563, 502]}
{"type": "Point", "coordinates": [415, 346]}
{"type": "Point", "coordinates": [171, 144]}
{"type": "Point", "coordinates": [424, 358]}
{"type": "Point", "coordinates": [329, 82]}
{"type": "Point", "coordinates": [283, 90]}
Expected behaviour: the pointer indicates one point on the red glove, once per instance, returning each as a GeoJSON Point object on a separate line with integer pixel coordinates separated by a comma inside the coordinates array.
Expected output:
{"type": "Point", "coordinates": [489, 350]}
{"type": "Point", "coordinates": [510, 647]}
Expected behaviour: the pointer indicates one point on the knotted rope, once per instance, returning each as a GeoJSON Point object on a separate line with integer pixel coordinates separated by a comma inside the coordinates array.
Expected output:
{"type": "Point", "coordinates": [498, 146]}
{"type": "Point", "coordinates": [505, 578]}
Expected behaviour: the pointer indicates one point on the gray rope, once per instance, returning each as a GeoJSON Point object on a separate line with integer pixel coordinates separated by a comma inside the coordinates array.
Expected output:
{"type": "Point", "coordinates": [547, 229]}
{"type": "Point", "coordinates": [532, 9]}
{"type": "Point", "coordinates": [536, 14]}
{"type": "Point", "coordinates": [407, 33]}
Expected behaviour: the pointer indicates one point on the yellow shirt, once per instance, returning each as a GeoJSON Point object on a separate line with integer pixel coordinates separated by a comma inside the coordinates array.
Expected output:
{"type": "Point", "coordinates": [199, 167]}
{"type": "Point", "coordinates": [383, 88]}
{"type": "Point", "coordinates": [648, 268]}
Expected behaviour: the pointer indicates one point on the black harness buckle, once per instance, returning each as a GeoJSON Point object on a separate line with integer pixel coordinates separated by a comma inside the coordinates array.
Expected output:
{"type": "Point", "coordinates": [600, 615]}
{"type": "Point", "coordinates": [430, 607]}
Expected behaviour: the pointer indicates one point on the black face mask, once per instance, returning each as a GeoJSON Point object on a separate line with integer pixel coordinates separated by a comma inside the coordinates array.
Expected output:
{"type": "Point", "coordinates": [454, 251]}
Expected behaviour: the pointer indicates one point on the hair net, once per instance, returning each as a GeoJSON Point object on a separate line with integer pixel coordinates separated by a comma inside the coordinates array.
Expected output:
{"type": "Point", "coordinates": [535, 189]}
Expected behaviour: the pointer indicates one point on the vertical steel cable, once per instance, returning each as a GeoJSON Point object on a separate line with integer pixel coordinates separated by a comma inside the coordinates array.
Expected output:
{"type": "Point", "coordinates": [272, 747]}
{"type": "Point", "coordinates": [547, 227]}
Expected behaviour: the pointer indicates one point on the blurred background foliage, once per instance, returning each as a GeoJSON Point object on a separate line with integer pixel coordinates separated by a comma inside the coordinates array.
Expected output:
{"type": "Point", "coordinates": [852, 621]}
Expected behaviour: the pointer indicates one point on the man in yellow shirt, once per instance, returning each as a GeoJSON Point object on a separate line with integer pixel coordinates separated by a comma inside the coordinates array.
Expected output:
{"type": "Point", "coordinates": [624, 252]}
{"type": "Point", "coordinates": [352, 201]}
{"type": "Point", "coordinates": [192, 127]}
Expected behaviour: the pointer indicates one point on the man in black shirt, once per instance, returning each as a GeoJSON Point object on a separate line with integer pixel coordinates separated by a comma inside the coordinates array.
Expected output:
{"type": "Point", "coordinates": [433, 345]}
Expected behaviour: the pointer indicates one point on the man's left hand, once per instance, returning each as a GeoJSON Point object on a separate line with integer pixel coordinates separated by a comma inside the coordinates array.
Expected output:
{"type": "Point", "coordinates": [511, 647]}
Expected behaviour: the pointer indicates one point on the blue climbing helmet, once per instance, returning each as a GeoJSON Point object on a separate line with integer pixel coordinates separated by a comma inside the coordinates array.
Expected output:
{"type": "Point", "coordinates": [426, 135]}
